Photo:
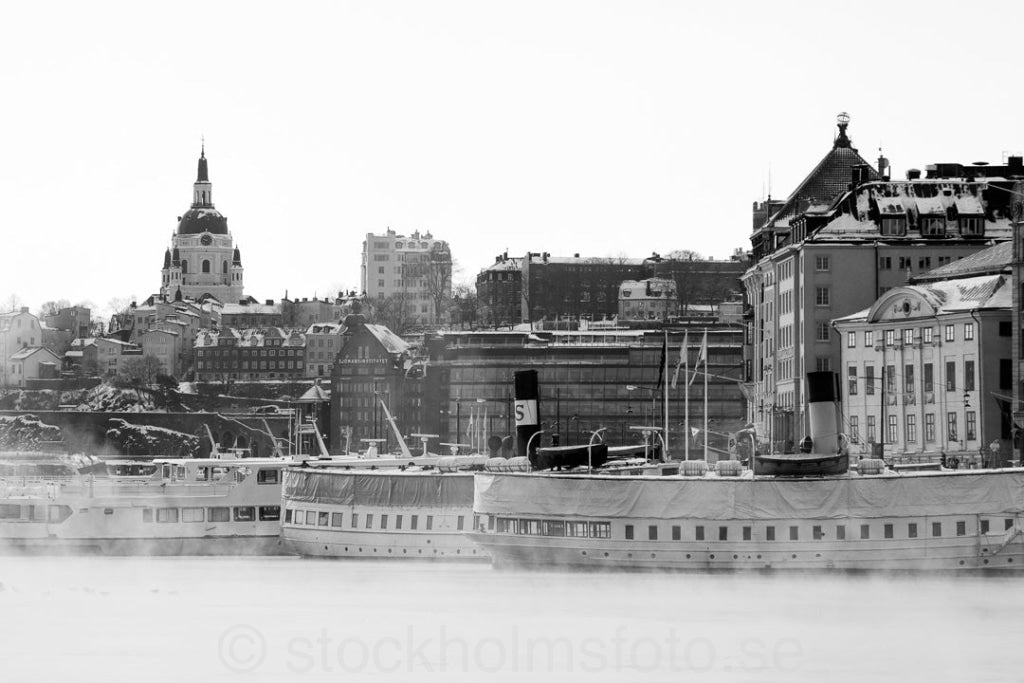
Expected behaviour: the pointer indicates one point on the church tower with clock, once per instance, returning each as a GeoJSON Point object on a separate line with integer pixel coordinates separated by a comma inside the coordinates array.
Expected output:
{"type": "Point", "coordinates": [202, 260]}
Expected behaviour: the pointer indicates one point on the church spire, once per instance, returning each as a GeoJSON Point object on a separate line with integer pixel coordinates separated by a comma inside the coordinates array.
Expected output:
{"type": "Point", "coordinates": [202, 190]}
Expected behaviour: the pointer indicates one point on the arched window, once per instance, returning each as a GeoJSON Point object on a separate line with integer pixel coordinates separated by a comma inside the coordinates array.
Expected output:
{"type": "Point", "coordinates": [184, 266]}
{"type": "Point", "coordinates": [206, 266]}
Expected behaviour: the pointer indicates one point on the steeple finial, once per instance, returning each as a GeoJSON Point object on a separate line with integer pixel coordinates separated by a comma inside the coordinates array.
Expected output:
{"type": "Point", "coordinates": [203, 176]}
{"type": "Point", "coordinates": [842, 121]}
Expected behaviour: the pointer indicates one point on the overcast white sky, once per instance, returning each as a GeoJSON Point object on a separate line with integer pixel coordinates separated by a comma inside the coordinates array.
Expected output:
{"type": "Point", "coordinates": [604, 128]}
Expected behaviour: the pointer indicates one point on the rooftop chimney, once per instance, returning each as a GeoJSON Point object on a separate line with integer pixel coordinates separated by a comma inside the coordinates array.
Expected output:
{"type": "Point", "coordinates": [913, 174]}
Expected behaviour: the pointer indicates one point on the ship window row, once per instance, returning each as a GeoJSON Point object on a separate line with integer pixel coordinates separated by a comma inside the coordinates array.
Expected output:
{"type": "Point", "coordinates": [383, 522]}
{"type": "Point", "coordinates": [242, 513]}
{"type": "Point", "coordinates": [701, 532]}
{"type": "Point", "coordinates": [54, 514]}
{"type": "Point", "coordinates": [553, 527]}
{"type": "Point", "coordinates": [818, 532]}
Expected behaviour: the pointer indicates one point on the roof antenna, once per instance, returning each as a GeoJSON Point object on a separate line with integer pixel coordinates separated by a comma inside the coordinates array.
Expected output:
{"type": "Point", "coordinates": [202, 152]}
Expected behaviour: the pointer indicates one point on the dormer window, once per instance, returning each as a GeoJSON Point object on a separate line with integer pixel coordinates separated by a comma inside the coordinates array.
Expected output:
{"type": "Point", "coordinates": [894, 225]}
{"type": "Point", "coordinates": [933, 226]}
{"type": "Point", "coordinates": [971, 226]}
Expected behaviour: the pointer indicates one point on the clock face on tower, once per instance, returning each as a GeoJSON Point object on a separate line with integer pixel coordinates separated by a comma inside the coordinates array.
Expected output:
{"type": "Point", "coordinates": [206, 240]}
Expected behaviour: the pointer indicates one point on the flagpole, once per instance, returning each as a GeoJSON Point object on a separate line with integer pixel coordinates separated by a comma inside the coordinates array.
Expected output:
{"type": "Point", "coordinates": [664, 401]}
{"type": "Point", "coordinates": [706, 354]}
{"type": "Point", "coordinates": [689, 436]}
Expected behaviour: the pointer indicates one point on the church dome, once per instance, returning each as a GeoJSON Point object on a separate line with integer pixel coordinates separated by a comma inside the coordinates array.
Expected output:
{"type": "Point", "coordinates": [196, 221]}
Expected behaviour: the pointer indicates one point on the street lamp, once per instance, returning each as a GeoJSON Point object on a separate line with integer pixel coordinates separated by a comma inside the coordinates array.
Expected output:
{"type": "Point", "coordinates": [590, 447]}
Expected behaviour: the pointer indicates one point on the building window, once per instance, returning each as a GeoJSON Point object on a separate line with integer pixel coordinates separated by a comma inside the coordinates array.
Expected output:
{"type": "Point", "coordinates": [699, 533]}
{"type": "Point", "coordinates": [911, 530]}
{"type": "Point", "coordinates": [929, 427]}
{"type": "Point", "coordinates": [869, 338]}
{"type": "Point", "coordinates": [950, 334]}
{"type": "Point", "coordinates": [968, 331]}
{"type": "Point", "coordinates": [890, 434]}
{"type": "Point", "coordinates": [934, 226]}
{"type": "Point", "coordinates": [890, 379]}
{"type": "Point", "coordinates": [769, 533]}
{"type": "Point", "coordinates": [929, 377]}
{"type": "Point", "coordinates": [840, 532]}
{"type": "Point", "coordinates": [851, 340]}
{"type": "Point", "coordinates": [951, 427]}
{"type": "Point", "coordinates": [823, 363]}
{"type": "Point", "coordinates": [821, 296]}
{"type": "Point", "coordinates": [869, 379]}
{"type": "Point", "coordinates": [865, 531]}
{"type": "Point", "coordinates": [855, 429]}
{"type": "Point", "coordinates": [822, 329]}
{"type": "Point", "coordinates": [851, 379]}
{"type": "Point", "coordinates": [968, 375]}
{"type": "Point", "coordinates": [926, 335]}
{"type": "Point", "coordinates": [908, 336]}
{"type": "Point", "coordinates": [885, 262]}
{"type": "Point", "coordinates": [971, 424]}
{"type": "Point", "coordinates": [908, 379]}
{"type": "Point", "coordinates": [911, 428]}
{"type": "Point", "coordinates": [890, 337]}
{"type": "Point", "coordinates": [950, 375]}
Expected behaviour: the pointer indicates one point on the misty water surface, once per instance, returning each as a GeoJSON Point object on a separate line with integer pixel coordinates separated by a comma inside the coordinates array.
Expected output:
{"type": "Point", "coordinates": [272, 619]}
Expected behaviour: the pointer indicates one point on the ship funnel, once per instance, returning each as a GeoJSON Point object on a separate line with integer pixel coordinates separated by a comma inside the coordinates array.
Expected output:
{"type": "Point", "coordinates": [822, 393]}
{"type": "Point", "coordinates": [527, 405]}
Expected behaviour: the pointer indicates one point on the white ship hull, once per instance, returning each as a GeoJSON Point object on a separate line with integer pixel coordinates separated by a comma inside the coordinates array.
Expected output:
{"type": "Point", "coordinates": [377, 515]}
{"type": "Point", "coordinates": [190, 507]}
{"type": "Point", "coordinates": [963, 521]}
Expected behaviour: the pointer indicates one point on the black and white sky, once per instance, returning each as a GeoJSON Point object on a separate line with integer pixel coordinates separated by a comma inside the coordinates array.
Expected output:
{"type": "Point", "coordinates": [604, 128]}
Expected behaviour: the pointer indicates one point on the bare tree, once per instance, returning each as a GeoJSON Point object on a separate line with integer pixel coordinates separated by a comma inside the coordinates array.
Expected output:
{"type": "Point", "coordinates": [10, 303]}
{"type": "Point", "coordinates": [52, 307]}
{"type": "Point", "coordinates": [394, 312]}
{"type": "Point", "coordinates": [437, 276]}
{"type": "Point", "coordinates": [120, 314]}
{"type": "Point", "coordinates": [141, 370]}
{"type": "Point", "coordinates": [464, 301]}
{"type": "Point", "coordinates": [685, 255]}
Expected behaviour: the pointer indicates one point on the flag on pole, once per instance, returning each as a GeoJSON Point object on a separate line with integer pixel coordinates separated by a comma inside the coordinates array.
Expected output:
{"type": "Point", "coordinates": [682, 358]}
{"type": "Point", "coordinates": [702, 356]}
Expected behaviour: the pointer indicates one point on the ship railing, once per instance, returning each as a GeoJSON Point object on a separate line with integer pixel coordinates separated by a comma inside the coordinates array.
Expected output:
{"type": "Point", "coordinates": [31, 480]}
{"type": "Point", "coordinates": [149, 488]}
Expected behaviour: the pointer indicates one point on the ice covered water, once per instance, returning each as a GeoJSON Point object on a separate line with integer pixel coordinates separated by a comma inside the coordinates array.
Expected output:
{"type": "Point", "coordinates": [273, 619]}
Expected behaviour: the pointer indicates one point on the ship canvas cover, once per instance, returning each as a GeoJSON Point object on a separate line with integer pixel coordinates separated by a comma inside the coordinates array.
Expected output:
{"type": "Point", "coordinates": [395, 489]}
{"type": "Point", "coordinates": [918, 495]}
